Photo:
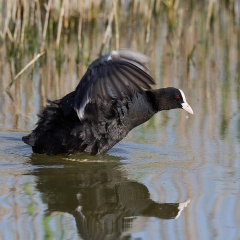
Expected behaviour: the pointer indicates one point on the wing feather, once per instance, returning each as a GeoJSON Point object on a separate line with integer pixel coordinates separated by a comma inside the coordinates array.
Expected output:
{"type": "Point", "coordinates": [132, 83]}
{"type": "Point", "coordinates": [113, 83]}
{"type": "Point", "coordinates": [112, 76]}
{"type": "Point", "coordinates": [138, 73]}
{"type": "Point", "coordinates": [122, 82]}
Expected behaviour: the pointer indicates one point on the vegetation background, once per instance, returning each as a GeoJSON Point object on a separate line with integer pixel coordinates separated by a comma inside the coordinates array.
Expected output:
{"type": "Point", "coordinates": [46, 47]}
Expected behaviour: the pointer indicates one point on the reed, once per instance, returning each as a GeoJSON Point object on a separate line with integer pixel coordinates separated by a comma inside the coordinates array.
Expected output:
{"type": "Point", "coordinates": [181, 36]}
{"type": "Point", "coordinates": [50, 19]}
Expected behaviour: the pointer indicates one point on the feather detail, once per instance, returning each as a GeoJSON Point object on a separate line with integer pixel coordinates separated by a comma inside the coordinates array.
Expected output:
{"type": "Point", "coordinates": [113, 76]}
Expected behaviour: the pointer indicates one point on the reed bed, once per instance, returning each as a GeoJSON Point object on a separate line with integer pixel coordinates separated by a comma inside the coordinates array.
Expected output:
{"type": "Point", "coordinates": [49, 20]}
{"type": "Point", "coordinates": [44, 20]}
{"type": "Point", "coordinates": [184, 38]}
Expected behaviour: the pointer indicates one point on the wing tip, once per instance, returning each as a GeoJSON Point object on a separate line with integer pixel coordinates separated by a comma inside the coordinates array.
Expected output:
{"type": "Point", "coordinates": [134, 55]}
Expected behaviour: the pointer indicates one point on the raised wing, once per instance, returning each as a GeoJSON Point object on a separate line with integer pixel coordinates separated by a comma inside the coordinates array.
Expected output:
{"type": "Point", "coordinates": [111, 77]}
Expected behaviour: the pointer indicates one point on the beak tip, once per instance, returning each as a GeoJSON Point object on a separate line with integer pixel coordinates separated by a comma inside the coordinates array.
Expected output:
{"type": "Point", "coordinates": [187, 108]}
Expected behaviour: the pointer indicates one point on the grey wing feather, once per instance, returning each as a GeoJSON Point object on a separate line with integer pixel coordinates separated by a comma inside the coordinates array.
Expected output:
{"type": "Point", "coordinates": [111, 77]}
{"type": "Point", "coordinates": [135, 58]}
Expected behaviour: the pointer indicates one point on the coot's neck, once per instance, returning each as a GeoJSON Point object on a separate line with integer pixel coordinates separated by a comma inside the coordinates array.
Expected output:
{"type": "Point", "coordinates": [159, 99]}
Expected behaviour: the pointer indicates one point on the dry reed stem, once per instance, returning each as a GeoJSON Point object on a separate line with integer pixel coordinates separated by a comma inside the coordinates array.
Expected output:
{"type": "Point", "coordinates": [209, 14]}
{"type": "Point", "coordinates": [157, 5]}
{"type": "Point", "coordinates": [39, 17]}
{"type": "Point", "coordinates": [47, 7]}
{"type": "Point", "coordinates": [18, 24]}
{"type": "Point", "coordinates": [1, 34]}
{"type": "Point", "coordinates": [108, 31]}
{"type": "Point", "coordinates": [79, 36]}
{"type": "Point", "coordinates": [149, 17]}
{"type": "Point", "coordinates": [6, 17]}
{"type": "Point", "coordinates": [9, 34]}
{"type": "Point", "coordinates": [116, 26]}
{"type": "Point", "coordinates": [60, 24]}
{"type": "Point", "coordinates": [22, 71]}
{"type": "Point", "coordinates": [175, 5]}
{"type": "Point", "coordinates": [24, 19]}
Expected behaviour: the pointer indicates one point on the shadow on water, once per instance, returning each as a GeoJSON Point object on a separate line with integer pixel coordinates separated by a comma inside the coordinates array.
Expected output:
{"type": "Point", "coordinates": [97, 193]}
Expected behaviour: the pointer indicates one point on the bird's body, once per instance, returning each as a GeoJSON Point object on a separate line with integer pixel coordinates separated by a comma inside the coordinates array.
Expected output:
{"type": "Point", "coordinates": [108, 103]}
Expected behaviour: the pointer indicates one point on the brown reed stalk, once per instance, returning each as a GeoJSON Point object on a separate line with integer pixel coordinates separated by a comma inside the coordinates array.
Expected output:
{"type": "Point", "coordinates": [79, 34]}
{"type": "Point", "coordinates": [18, 24]}
{"type": "Point", "coordinates": [108, 31]}
{"type": "Point", "coordinates": [29, 64]}
{"type": "Point", "coordinates": [175, 5]}
{"type": "Point", "coordinates": [60, 24]}
{"type": "Point", "coordinates": [1, 34]}
{"type": "Point", "coordinates": [157, 5]}
{"type": "Point", "coordinates": [66, 15]}
{"type": "Point", "coordinates": [209, 14]}
{"type": "Point", "coordinates": [149, 18]}
{"type": "Point", "coordinates": [39, 17]}
{"type": "Point", "coordinates": [5, 17]}
{"type": "Point", "coordinates": [116, 26]}
{"type": "Point", "coordinates": [24, 7]}
{"type": "Point", "coordinates": [24, 69]}
{"type": "Point", "coordinates": [9, 34]}
{"type": "Point", "coordinates": [48, 8]}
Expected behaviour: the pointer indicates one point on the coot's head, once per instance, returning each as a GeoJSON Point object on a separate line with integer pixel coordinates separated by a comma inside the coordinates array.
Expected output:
{"type": "Point", "coordinates": [172, 98]}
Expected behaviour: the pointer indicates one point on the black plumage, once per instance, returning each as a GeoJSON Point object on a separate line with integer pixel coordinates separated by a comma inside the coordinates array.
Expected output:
{"type": "Point", "coordinates": [113, 97]}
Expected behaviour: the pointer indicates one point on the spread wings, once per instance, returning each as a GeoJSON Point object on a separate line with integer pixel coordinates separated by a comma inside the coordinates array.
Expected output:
{"type": "Point", "coordinates": [112, 77]}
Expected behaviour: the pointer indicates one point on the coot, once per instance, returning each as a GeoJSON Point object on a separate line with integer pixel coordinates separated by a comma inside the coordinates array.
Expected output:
{"type": "Point", "coordinates": [113, 97]}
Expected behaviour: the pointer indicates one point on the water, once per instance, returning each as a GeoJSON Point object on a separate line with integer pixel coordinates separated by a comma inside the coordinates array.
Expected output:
{"type": "Point", "coordinates": [112, 195]}
{"type": "Point", "coordinates": [177, 176]}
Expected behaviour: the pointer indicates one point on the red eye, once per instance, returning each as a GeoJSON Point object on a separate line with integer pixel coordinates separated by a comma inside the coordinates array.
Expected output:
{"type": "Point", "coordinates": [177, 97]}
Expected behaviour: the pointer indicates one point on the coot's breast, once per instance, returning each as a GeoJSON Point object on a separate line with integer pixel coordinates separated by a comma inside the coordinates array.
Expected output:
{"type": "Point", "coordinates": [140, 110]}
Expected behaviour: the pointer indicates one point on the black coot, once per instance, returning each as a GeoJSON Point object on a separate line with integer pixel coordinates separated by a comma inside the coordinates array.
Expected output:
{"type": "Point", "coordinates": [113, 97]}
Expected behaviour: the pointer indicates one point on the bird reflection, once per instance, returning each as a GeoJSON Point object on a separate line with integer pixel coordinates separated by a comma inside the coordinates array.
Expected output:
{"type": "Point", "coordinates": [103, 201]}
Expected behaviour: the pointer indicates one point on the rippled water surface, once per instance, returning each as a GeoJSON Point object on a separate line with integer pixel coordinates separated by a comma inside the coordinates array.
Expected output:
{"type": "Point", "coordinates": [177, 176]}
